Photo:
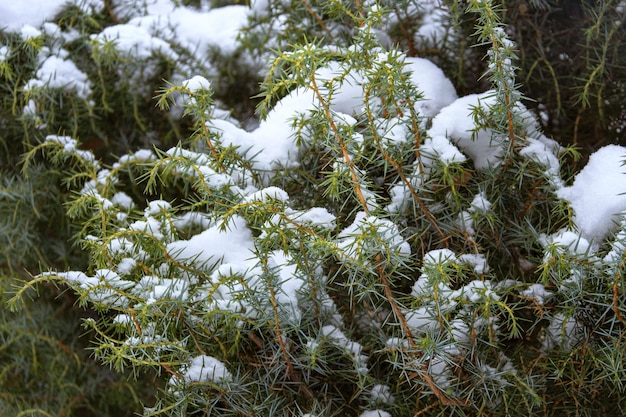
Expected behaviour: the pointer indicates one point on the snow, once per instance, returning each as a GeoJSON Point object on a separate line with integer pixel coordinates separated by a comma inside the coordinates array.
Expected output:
{"type": "Point", "coordinates": [62, 74]}
{"type": "Point", "coordinates": [133, 41]}
{"type": "Point", "coordinates": [431, 27]}
{"type": "Point", "coordinates": [205, 368]}
{"type": "Point", "coordinates": [336, 335]}
{"type": "Point", "coordinates": [104, 287]}
{"type": "Point", "coordinates": [598, 194]}
{"type": "Point", "coordinates": [567, 241]}
{"type": "Point", "coordinates": [70, 146]}
{"type": "Point", "coordinates": [456, 123]}
{"type": "Point", "coordinates": [478, 291]}
{"type": "Point", "coordinates": [15, 14]}
{"type": "Point", "coordinates": [439, 257]}
{"type": "Point", "coordinates": [123, 200]}
{"type": "Point", "coordinates": [480, 204]}
{"type": "Point", "coordinates": [485, 147]}
{"type": "Point", "coordinates": [477, 261]}
{"type": "Point", "coordinates": [563, 332]}
{"type": "Point", "coordinates": [140, 155]}
{"type": "Point", "coordinates": [382, 393]}
{"type": "Point", "coordinates": [354, 246]}
{"type": "Point", "coordinates": [126, 265]}
{"type": "Point", "coordinates": [440, 148]}
{"type": "Point", "coordinates": [152, 289]}
{"type": "Point", "coordinates": [150, 226]}
{"type": "Point", "coordinates": [421, 320]}
{"type": "Point", "coordinates": [269, 146]}
{"type": "Point", "coordinates": [268, 194]}
{"type": "Point", "coordinates": [545, 152]}
{"type": "Point", "coordinates": [197, 30]}
{"type": "Point", "coordinates": [233, 245]}
{"type": "Point", "coordinates": [122, 319]}
{"type": "Point", "coordinates": [375, 413]}
{"type": "Point", "coordinates": [460, 331]}
{"type": "Point", "coordinates": [29, 32]}
{"type": "Point", "coordinates": [156, 206]}
{"type": "Point", "coordinates": [437, 90]}
{"type": "Point", "coordinates": [196, 83]}
{"type": "Point", "coordinates": [537, 292]}
{"type": "Point", "coordinates": [272, 142]}
{"type": "Point", "coordinates": [316, 216]}
{"type": "Point", "coordinates": [200, 169]}
{"type": "Point", "coordinates": [440, 368]}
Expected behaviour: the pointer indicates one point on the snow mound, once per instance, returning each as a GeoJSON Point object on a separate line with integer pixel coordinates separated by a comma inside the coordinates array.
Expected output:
{"type": "Point", "coordinates": [598, 194]}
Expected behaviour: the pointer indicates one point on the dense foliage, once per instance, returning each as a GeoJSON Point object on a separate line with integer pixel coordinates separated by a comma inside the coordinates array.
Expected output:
{"type": "Point", "coordinates": [381, 229]}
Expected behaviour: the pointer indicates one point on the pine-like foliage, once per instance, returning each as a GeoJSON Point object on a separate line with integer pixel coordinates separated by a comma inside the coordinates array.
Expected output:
{"type": "Point", "coordinates": [375, 247]}
{"type": "Point", "coordinates": [46, 368]}
{"type": "Point", "coordinates": [572, 60]}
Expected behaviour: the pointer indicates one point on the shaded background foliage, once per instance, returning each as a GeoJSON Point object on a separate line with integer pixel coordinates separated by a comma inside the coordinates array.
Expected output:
{"type": "Point", "coordinates": [572, 64]}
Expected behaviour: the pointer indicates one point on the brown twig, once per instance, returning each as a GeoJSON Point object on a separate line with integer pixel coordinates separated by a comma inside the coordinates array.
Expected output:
{"type": "Point", "coordinates": [279, 337]}
{"type": "Point", "coordinates": [109, 9]}
{"type": "Point", "coordinates": [344, 150]}
{"type": "Point", "coordinates": [317, 18]}
{"type": "Point", "coordinates": [618, 315]}
{"type": "Point", "coordinates": [409, 40]}
{"type": "Point", "coordinates": [400, 171]}
{"type": "Point", "coordinates": [443, 398]}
